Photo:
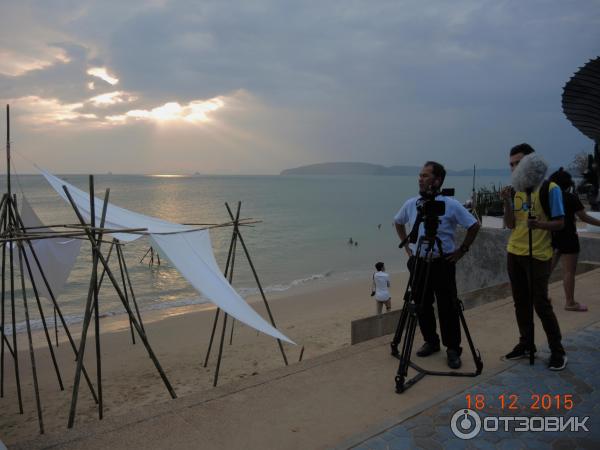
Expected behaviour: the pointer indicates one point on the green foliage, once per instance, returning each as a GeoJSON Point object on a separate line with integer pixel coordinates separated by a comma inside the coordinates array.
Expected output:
{"type": "Point", "coordinates": [488, 201]}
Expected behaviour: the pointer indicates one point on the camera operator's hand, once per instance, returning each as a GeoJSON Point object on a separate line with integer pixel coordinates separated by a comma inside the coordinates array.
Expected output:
{"type": "Point", "coordinates": [455, 256]}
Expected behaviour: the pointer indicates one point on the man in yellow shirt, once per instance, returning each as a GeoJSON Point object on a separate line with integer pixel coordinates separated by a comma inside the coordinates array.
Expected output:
{"type": "Point", "coordinates": [516, 217]}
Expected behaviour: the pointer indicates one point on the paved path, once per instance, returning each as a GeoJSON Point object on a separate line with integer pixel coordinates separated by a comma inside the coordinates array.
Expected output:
{"type": "Point", "coordinates": [581, 380]}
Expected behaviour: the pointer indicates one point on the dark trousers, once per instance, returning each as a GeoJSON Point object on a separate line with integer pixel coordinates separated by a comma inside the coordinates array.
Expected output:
{"type": "Point", "coordinates": [442, 286]}
{"type": "Point", "coordinates": [518, 272]}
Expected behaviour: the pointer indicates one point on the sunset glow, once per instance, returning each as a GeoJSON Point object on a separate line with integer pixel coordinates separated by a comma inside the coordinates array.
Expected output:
{"type": "Point", "coordinates": [44, 111]}
{"type": "Point", "coordinates": [112, 98]}
{"type": "Point", "coordinates": [102, 73]}
{"type": "Point", "coordinates": [167, 175]}
{"type": "Point", "coordinates": [14, 64]}
{"type": "Point", "coordinates": [194, 112]}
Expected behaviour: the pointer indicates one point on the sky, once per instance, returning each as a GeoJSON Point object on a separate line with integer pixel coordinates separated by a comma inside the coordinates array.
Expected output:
{"type": "Point", "coordinates": [258, 86]}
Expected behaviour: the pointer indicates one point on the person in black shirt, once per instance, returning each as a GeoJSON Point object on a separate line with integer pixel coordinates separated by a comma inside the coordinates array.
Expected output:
{"type": "Point", "coordinates": [566, 242]}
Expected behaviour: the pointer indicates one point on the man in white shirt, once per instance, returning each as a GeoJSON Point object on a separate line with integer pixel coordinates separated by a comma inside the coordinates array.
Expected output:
{"type": "Point", "coordinates": [442, 276]}
{"type": "Point", "coordinates": [381, 288]}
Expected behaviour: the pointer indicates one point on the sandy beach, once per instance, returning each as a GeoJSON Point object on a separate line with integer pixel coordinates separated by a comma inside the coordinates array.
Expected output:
{"type": "Point", "coordinates": [317, 317]}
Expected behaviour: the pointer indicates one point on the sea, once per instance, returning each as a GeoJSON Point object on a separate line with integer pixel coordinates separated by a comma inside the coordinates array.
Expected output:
{"type": "Point", "coordinates": [301, 238]}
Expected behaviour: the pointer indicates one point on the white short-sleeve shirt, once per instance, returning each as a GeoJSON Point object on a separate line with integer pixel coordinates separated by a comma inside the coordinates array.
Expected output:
{"type": "Point", "coordinates": [455, 214]}
{"type": "Point", "coordinates": [382, 291]}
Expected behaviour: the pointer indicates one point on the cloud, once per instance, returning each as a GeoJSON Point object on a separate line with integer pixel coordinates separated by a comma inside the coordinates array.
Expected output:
{"type": "Point", "coordinates": [95, 111]}
{"type": "Point", "coordinates": [112, 98]}
{"type": "Point", "coordinates": [385, 81]}
{"type": "Point", "coordinates": [102, 73]}
{"type": "Point", "coordinates": [15, 64]}
{"type": "Point", "coordinates": [194, 112]}
{"type": "Point", "coordinates": [41, 111]}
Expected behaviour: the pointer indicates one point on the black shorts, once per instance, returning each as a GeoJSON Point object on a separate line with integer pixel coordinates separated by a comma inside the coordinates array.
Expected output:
{"type": "Point", "coordinates": [565, 243]}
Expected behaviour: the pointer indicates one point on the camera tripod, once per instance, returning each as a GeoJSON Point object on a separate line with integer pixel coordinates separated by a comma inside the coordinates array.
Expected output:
{"type": "Point", "coordinates": [407, 325]}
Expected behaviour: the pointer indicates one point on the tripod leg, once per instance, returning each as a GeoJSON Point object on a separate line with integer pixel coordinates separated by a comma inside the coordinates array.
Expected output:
{"type": "Point", "coordinates": [399, 329]}
{"type": "Point", "coordinates": [474, 351]}
{"type": "Point", "coordinates": [406, 351]}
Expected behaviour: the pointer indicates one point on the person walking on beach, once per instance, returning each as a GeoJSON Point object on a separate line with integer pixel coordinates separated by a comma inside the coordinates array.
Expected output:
{"type": "Point", "coordinates": [380, 289]}
{"type": "Point", "coordinates": [516, 218]}
{"type": "Point", "coordinates": [442, 279]}
{"type": "Point", "coordinates": [566, 242]}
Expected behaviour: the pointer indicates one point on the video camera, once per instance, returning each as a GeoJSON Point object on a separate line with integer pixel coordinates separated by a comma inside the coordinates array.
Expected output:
{"type": "Point", "coordinates": [428, 211]}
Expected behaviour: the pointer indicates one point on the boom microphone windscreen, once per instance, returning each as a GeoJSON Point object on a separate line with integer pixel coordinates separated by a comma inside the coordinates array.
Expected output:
{"type": "Point", "coordinates": [529, 173]}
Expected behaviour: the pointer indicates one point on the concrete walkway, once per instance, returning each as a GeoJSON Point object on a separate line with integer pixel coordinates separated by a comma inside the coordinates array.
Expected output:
{"type": "Point", "coordinates": [520, 391]}
{"type": "Point", "coordinates": [344, 398]}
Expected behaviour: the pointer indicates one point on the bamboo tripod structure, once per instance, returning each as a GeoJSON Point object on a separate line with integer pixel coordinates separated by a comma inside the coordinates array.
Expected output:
{"type": "Point", "coordinates": [151, 252]}
{"type": "Point", "coordinates": [14, 234]}
{"type": "Point", "coordinates": [94, 235]}
{"type": "Point", "coordinates": [126, 280]}
{"type": "Point", "coordinates": [228, 273]}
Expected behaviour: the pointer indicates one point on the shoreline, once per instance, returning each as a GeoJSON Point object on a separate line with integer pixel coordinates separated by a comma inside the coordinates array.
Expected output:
{"type": "Point", "coordinates": [113, 322]}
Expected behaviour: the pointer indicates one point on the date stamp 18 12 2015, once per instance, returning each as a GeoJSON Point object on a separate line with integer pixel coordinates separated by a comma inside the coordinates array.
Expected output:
{"type": "Point", "coordinates": [534, 402]}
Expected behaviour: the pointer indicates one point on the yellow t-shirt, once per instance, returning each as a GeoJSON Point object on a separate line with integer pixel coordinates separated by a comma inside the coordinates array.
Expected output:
{"type": "Point", "coordinates": [518, 244]}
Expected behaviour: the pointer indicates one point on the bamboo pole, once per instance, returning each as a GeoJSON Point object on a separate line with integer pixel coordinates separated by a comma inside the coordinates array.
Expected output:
{"type": "Point", "coordinates": [218, 311]}
{"type": "Point", "coordinates": [235, 234]}
{"type": "Point", "coordinates": [259, 285]}
{"type": "Point", "coordinates": [58, 310]}
{"type": "Point", "coordinates": [30, 340]}
{"type": "Point", "coordinates": [98, 236]}
{"type": "Point", "coordinates": [112, 244]}
{"type": "Point", "coordinates": [2, 314]}
{"type": "Point", "coordinates": [139, 330]}
{"type": "Point", "coordinates": [13, 212]}
{"type": "Point", "coordinates": [125, 292]}
{"type": "Point", "coordinates": [13, 318]}
{"type": "Point", "coordinates": [135, 304]}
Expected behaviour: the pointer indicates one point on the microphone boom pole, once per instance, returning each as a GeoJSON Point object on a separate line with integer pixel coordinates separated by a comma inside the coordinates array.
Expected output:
{"type": "Point", "coordinates": [531, 342]}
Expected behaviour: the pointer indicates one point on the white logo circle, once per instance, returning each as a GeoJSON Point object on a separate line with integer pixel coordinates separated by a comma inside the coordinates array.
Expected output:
{"type": "Point", "coordinates": [465, 424]}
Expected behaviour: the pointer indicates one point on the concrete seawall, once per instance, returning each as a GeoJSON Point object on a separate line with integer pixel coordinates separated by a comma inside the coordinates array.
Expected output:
{"type": "Point", "coordinates": [480, 277]}
{"type": "Point", "coordinates": [485, 264]}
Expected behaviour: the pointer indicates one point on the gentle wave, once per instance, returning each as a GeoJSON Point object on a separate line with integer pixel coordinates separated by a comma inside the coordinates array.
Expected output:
{"type": "Point", "coordinates": [37, 324]}
{"type": "Point", "coordinates": [284, 287]}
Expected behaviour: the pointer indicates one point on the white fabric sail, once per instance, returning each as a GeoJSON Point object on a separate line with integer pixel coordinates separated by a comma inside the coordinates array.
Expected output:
{"type": "Point", "coordinates": [189, 250]}
{"type": "Point", "coordinates": [57, 256]}
{"type": "Point", "coordinates": [115, 217]}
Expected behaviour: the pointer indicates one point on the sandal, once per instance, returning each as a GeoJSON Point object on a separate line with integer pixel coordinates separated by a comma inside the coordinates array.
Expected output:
{"type": "Point", "coordinates": [576, 307]}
